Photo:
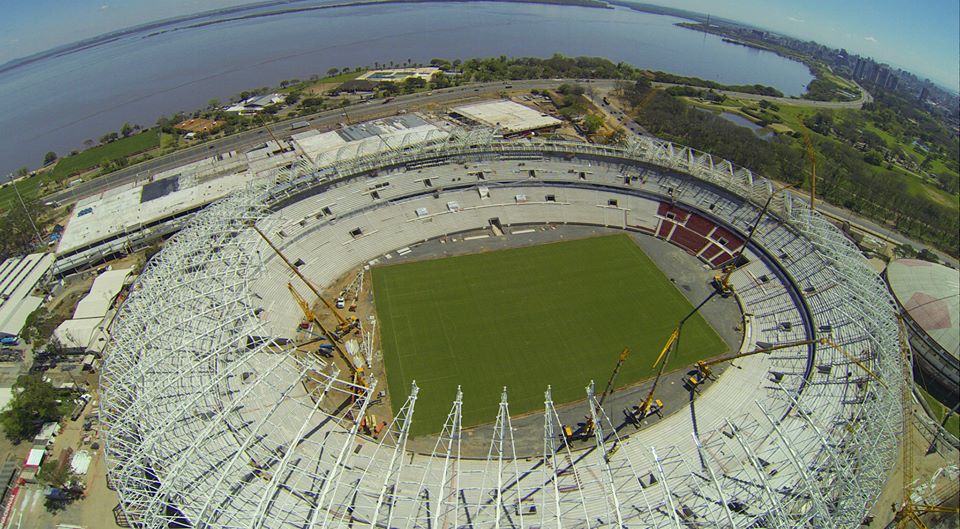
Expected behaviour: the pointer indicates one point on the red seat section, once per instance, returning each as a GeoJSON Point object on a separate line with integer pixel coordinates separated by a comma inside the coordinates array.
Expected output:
{"type": "Point", "coordinates": [699, 225]}
{"type": "Point", "coordinates": [665, 227]}
{"type": "Point", "coordinates": [688, 240]}
{"type": "Point", "coordinates": [678, 214]}
{"type": "Point", "coordinates": [733, 242]}
{"type": "Point", "coordinates": [721, 259]}
{"type": "Point", "coordinates": [710, 252]}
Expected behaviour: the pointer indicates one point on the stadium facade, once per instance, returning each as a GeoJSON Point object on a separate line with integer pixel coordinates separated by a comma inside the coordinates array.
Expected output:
{"type": "Point", "coordinates": [208, 428]}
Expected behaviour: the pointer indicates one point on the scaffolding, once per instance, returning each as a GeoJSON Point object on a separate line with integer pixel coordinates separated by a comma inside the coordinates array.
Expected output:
{"type": "Point", "coordinates": [211, 421]}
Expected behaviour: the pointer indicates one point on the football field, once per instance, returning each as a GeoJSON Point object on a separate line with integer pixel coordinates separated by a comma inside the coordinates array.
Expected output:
{"type": "Point", "coordinates": [524, 318]}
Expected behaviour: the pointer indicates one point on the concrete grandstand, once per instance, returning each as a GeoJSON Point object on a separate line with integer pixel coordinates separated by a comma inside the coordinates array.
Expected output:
{"type": "Point", "coordinates": [208, 429]}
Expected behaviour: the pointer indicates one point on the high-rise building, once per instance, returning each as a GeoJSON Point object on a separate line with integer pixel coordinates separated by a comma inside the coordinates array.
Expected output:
{"type": "Point", "coordinates": [892, 82]}
{"type": "Point", "coordinates": [859, 68]}
{"type": "Point", "coordinates": [924, 92]}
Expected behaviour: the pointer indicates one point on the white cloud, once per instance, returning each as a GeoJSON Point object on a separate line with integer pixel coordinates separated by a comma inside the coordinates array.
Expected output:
{"type": "Point", "coordinates": [104, 6]}
{"type": "Point", "coordinates": [870, 38]}
{"type": "Point", "coordinates": [795, 19]}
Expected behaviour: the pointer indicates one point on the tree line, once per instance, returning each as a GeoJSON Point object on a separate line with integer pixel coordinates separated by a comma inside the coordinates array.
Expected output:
{"type": "Point", "coordinates": [843, 177]}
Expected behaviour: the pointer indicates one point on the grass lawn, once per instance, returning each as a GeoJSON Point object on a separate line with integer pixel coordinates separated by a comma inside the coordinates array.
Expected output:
{"type": "Point", "coordinates": [524, 318]}
{"type": "Point", "coordinates": [939, 410]}
{"type": "Point", "coordinates": [81, 162]}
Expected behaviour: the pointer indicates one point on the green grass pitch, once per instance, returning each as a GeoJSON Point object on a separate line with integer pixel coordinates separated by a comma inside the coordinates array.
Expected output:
{"type": "Point", "coordinates": [524, 318]}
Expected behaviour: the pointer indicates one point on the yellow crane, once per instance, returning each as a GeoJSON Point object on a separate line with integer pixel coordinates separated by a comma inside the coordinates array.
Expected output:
{"type": "Point", "coordinates": [343, 325]}
{"type": "Point", "coordinates": [704, 372]}
{"type": "Point", "coordinates": [910, 511]}
{"type": "Point", "coordinates": [588, 425]}
{"type": "Point", "coordinates": [721, 281]}
{"type": "Point", "coordinates": [651, 405]}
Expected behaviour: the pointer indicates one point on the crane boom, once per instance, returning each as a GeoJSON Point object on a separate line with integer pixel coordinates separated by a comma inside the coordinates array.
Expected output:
{"type": "Point", "coordinates": [609, 389]}
{"type": "Point", "coordinates": [312, 316]}
{"type": "Point", "coordinates": [760, 350]}
{"type": "Point", "coordinates": [340, 319]}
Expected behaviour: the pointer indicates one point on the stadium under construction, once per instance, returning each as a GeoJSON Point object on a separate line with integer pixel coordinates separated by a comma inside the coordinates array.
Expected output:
{"type": "Point", "coordinates": [208, 427]}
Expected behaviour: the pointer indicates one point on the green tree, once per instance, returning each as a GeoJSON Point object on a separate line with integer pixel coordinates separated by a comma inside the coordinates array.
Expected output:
{"type": "Point", "coordinates": [126, 130]}
{"type": "Point", "coordinates": [592, 123]}
{"type": "Point", "coordinates": [332, 71]}
{"type": "Point", "coordinates": [440, 80]}
{"type": "Point", "coordinates": [34, 403]}
{"type": "Point", "coordinates": [49, 158]}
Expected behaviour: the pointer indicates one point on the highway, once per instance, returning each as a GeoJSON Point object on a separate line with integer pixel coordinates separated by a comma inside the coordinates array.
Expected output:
{"type": "Point", "coordinates": [361, 112]}
{"type": "Point", "coordinates": [324, 120]}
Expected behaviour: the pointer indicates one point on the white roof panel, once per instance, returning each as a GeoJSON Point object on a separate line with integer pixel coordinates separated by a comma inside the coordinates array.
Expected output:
{"type": "Point", "coordinates": [105, 288]}
{"type": "Point", "coordinates": [508, 116]}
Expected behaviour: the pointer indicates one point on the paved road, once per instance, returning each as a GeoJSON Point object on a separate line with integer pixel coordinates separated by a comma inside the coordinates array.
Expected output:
{"type": "Point", "coordinates": [328, 119]}
{"type": "Point", "coordinates": [360, 112]}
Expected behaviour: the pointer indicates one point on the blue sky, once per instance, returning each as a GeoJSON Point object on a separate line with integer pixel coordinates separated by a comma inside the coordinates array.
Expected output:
{"type": "Point", "coordinates": [920, 36]}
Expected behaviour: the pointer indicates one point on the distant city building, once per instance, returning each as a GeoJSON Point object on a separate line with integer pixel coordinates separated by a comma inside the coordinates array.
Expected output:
{"type": "Point", "coordinates": [893, 83]}
{"type": "Point", "coordinates": [924, 92]}
{"type": "Point", "coordinates": [859, 68]}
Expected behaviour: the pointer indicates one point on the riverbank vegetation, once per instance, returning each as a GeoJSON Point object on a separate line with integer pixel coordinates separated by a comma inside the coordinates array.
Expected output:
{"type": "Point", "coordinates": [847, 176]}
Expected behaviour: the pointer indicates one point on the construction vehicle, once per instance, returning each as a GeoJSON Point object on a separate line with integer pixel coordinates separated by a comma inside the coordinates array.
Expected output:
{"type": "Point", "coordinates": [705, 372]}
{"type": "Point", "coordinates": [721, 281]}
{"type": "Point", "coordinates": [588, 426]}
{"type": "Point", "coordinates": [651, 405]}
{"type": "Point", "coordinates": [344, 325]}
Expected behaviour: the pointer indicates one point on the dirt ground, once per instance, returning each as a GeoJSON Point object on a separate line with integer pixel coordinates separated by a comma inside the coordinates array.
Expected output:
{"type": "Point", "coordinates": [926, 465]}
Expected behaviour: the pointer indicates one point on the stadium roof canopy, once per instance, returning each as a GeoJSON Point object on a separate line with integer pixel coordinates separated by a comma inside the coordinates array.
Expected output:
{"type": "Point", "coordinates": [930, 294]}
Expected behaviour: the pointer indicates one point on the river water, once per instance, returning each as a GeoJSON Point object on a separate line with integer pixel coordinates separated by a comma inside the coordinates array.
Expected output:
{"type": "Point", "coordinates": [57, 103]}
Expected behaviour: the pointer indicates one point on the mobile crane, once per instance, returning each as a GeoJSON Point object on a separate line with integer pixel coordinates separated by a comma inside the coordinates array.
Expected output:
{"type": "Point", "coordinates": [588, 426]}
{"type": "Point", "coordinates": [704, 371]}
{"type": "Point", "coordinates": [651, 405]}
{"type": "Point", "coordinates": [343, 325]}
{"type": "Point", "coordinates": [721, 281]}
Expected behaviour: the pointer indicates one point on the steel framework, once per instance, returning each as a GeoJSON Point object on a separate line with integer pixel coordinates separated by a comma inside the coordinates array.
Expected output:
{"type": "Point", "coordinates": [211, 423]}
